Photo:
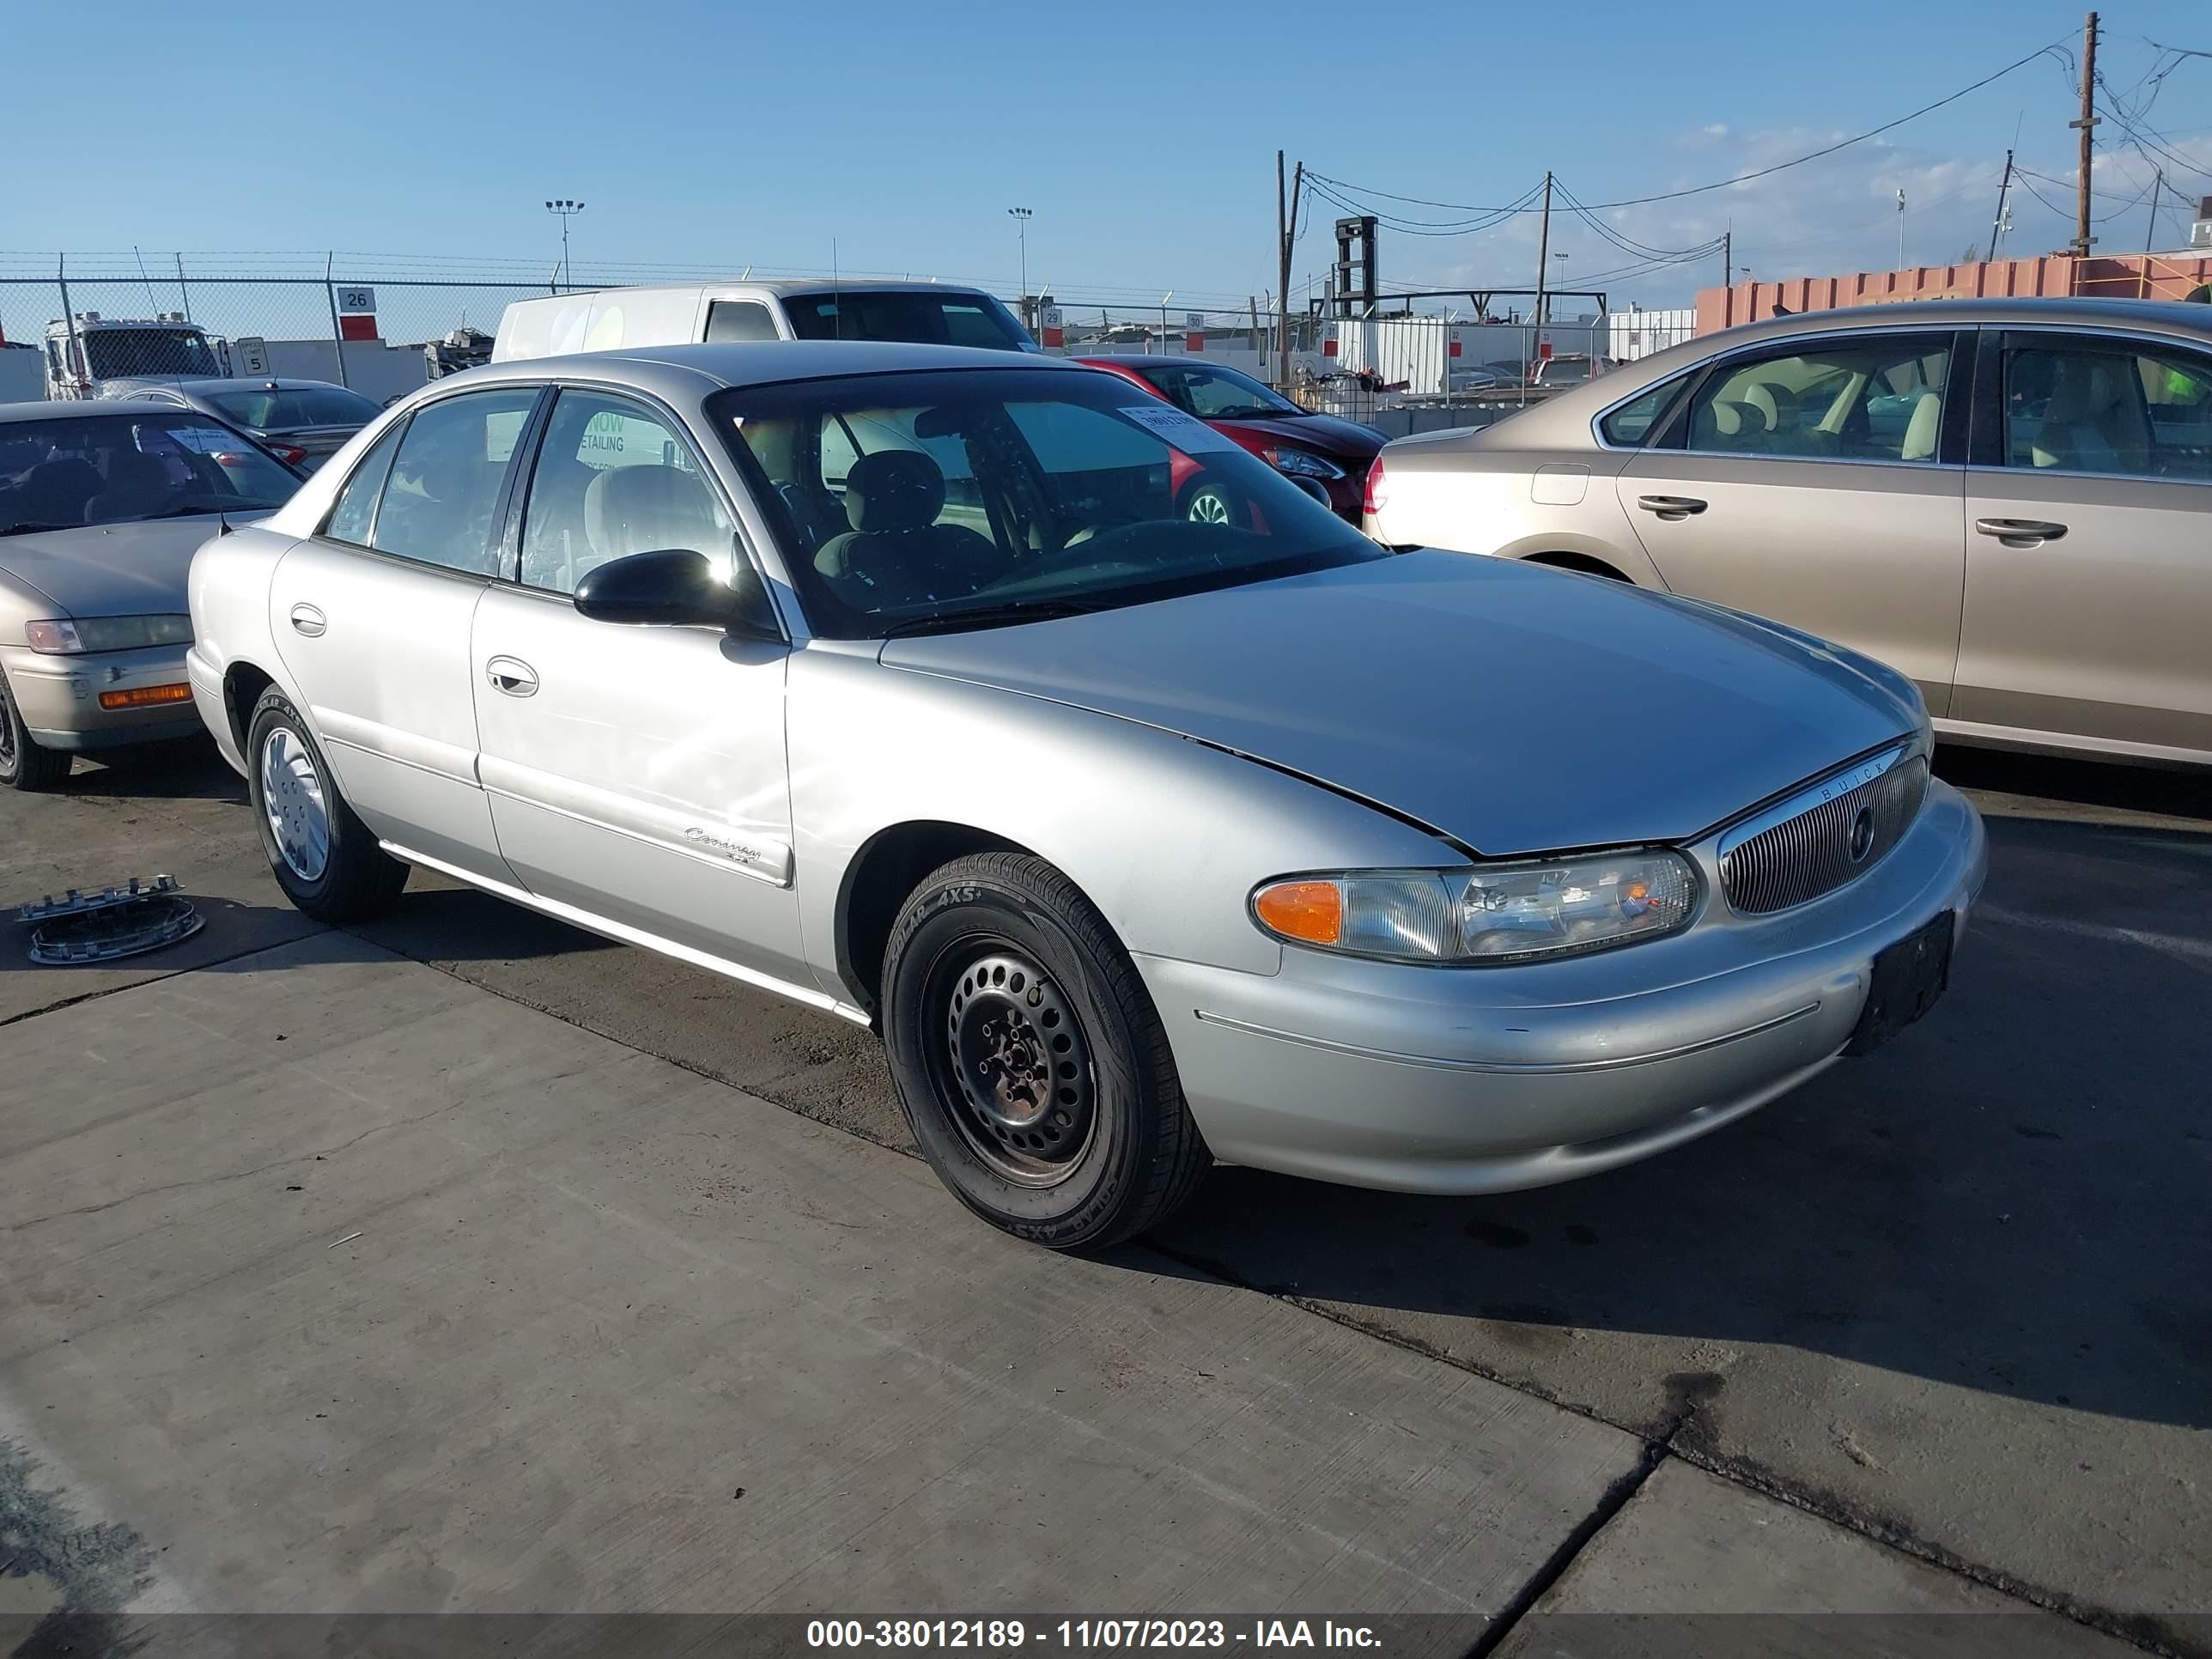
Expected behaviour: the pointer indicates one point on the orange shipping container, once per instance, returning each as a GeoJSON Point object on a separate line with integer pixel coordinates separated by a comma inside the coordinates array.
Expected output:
{"type": "Point", "coordinates": [2134, 277]}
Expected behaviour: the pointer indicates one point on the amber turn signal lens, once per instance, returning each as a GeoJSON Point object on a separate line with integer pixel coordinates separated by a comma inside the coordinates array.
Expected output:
{"type": "Point", "coordinates": [1309, 910]}
{"type": "Point", "coordinates": [140, 696]}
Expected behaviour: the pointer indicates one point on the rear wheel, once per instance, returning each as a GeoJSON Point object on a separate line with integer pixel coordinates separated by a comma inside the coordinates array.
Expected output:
{"type": "Point", "coordinates": [1028, 1059]}
{"type": "Point", "coordinates": [324, 857]}
{"type": "Point", "coordinates": [23, 764]}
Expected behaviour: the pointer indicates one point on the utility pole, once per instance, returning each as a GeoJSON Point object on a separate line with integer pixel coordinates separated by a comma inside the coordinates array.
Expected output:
{"type": "Point", "coordinates": [1286, 236]}
{"type": "Point", "coordinates": [1543, 267]}
{"type": "Point", "coordinates": [2083, 239]}
{"type": "Point", "coordinates": [566, 211]}
{"type": "Point", "coordinates": [1727, 253]}
{"type": "Point", "coordinates": [2157, 188]}
{"type": "Point", "coordinates": [2004, 188]}
{"type": "Point", "coordinates": [1021, 216]}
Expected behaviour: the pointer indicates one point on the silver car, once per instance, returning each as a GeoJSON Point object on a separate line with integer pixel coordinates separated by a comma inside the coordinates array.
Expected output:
{"type": "Point", "coordinates": [101, 504]}
{"type": "Point", "coordinates": [887, 678]}
{"type": "Point", "coordinates": [2006, 499]}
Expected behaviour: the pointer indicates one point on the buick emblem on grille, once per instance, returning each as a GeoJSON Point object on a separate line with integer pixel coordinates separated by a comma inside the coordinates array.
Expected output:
{"type": "Point", "coordinates": [1860, 840]}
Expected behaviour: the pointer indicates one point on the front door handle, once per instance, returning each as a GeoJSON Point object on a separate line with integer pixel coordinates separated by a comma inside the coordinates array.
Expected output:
{"type": "Point", "coordinates": [1674, 508]}
{"type": "Point", "coordinates": [306, 619]}
{"type": "Point", "coordinates": [2021, 532]}
{"type": "Point", "coordinates": [513, 676]}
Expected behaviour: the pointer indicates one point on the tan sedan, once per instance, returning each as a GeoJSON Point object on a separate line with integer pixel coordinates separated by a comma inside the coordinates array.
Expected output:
{"type": "Point", "coordinates": [2011, 500]}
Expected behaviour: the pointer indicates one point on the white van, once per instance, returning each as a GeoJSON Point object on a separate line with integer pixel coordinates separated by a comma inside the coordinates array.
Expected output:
{"type": "Point", "coordinates": [610, 319]}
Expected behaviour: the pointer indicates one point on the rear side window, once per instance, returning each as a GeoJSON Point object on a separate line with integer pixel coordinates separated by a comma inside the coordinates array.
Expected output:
{"type": "Point", "coordinates": [1632, 423]}
{"type": "Point", "coordinates": [970, 319]}
{"type": "Point", "coordinates": [739, 319]}
{"type": "Point", "coordinates": [446, 480]}
{"type": "Point", "coordinates": [357, 509]}
{"type": "Point", "coordinates": [1863, 400]}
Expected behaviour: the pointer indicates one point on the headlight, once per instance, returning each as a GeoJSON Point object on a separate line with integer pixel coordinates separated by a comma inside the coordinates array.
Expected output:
{"type": "Point", "coordinates": [1300, 465]}
{"type": "Point", "coordinates": [1493, 914]}
{"type": "Point", "coordinates": [64, 636]}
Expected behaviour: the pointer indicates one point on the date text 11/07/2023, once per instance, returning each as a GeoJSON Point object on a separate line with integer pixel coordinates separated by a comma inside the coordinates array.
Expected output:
{"type": "Point", "coordinates": [1087, 1633]}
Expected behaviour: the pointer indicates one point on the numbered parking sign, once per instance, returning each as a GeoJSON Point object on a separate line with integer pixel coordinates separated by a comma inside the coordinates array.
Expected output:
{"type": "Point", "coordinates": [356, 302]}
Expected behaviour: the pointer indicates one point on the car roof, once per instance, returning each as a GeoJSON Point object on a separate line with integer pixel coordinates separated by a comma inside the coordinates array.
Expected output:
{"type": "Point", "coordinates": [676, 371]}
{"type": "Point", "coordinates": [782, 286]}
{"type": "Point", "coordinates": [80, 408]}
{"type": "Point", "coordinates": [258, 383]}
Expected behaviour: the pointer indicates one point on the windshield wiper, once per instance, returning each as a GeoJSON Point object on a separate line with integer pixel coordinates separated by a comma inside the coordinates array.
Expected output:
{"type": "Point", "coordinates": [990, 615]}
{"type": "Point", "coordinates": [28, 526]}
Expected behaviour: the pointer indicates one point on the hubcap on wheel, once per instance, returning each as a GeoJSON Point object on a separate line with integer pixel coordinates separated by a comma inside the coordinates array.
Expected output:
{"type": "Point", "coordinates": [1208, 508]}
{"type": "Point", "coordinates": [1016, 1057]}
{"type": "Point", "coordinates": [292, 800]}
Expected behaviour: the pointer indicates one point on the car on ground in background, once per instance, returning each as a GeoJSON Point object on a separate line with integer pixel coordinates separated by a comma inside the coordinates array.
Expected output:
{"type": "Point", "coordinates": [1297, 443]}
{"type": "Point", "coordinates": [2006, 499]}
{"type": "Point", "coordinates": [627, 318]}
{"type": "Point", "coordinates": [893, 679]}
{"type": "Point", "coordinates": [302, 423]}
{"type": "Point", "coordinates": [1569, 369]}
{"type": "Point", "coordinates": [102, 505]}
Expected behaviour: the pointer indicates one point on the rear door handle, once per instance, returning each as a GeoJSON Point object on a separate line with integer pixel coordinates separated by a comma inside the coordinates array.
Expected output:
{"type": "Point", "coordinates": [2021, 532]}
{"type": "Point", "coordinates": [306, 619]}
{"type": "Point", "coordinates": [513, 676]}
{"type": "Point", "coordinates": [1674, 507]}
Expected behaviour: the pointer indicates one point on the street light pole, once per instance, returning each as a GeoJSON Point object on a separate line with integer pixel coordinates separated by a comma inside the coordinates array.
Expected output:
{"type": "Point", "coordinates": [1021, 217]}
{"type": "Point", "coordinates": [567, 210]}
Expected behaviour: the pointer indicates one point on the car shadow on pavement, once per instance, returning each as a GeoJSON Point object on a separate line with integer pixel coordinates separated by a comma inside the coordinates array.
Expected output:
{"type": "Point", "coordinates": [189, 769]}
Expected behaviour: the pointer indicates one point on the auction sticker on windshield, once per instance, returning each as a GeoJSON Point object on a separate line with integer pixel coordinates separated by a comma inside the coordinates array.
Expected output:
{"type": "Point", "coordinates": [1172, 426]}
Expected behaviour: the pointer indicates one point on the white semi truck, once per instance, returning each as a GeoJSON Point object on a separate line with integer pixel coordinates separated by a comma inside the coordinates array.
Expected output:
{"type": "Point", "coordinates": [87, 354]}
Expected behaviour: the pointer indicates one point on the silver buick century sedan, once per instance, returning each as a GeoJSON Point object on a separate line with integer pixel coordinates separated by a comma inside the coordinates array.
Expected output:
{"type": "Point", "coordinates": [887, 679]}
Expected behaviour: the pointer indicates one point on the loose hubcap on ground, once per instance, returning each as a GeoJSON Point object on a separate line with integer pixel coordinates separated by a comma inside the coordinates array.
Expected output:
{"type": "Point", "coordinates": [292, 800]}
{"type": "Point", "coordinates": [1022, 1068]}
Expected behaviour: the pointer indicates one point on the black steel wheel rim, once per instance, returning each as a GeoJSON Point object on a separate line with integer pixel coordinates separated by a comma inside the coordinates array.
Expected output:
{"type": "Point", "coordinates": [1011, 1062]}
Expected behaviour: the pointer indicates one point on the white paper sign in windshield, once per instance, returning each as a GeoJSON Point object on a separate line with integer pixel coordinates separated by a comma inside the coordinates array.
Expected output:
{"type": "Point", "coordinates": [1172, 426]}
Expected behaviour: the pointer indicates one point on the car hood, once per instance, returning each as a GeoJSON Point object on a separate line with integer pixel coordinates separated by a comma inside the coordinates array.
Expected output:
{"type": "Point", "coordinates": [1323, 433]}
{"type": "Point", "coordinates": [110, 570]}
{"type": "Point", "coordinates": [1514, 709]}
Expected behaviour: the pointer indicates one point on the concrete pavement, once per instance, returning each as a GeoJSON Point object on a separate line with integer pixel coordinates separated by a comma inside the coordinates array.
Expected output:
{"type": "Point", "coordinates": [1854, 1301]}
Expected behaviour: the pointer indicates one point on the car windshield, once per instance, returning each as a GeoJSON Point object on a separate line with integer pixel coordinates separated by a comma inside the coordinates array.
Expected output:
{"type": "Point", "coordinates": [957, 319]}
{"type": "Point", "coordinates": [284, 407]}
{"type": "Point", "coordinates": [115, 469]}
{"type": "Point", "coordinates": [967, 498]}
{"type": "Point", "coordinates": [113, 353]}
{"type": "Point", "coordinates": [1217, 394]}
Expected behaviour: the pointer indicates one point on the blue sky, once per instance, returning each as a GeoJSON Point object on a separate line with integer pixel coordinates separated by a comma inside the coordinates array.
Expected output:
{"type": "Point", "coordinates": [1143, 135]}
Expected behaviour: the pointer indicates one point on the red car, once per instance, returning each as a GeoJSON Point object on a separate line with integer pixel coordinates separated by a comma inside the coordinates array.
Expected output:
{"type": "Point", "coordinates": [1318, 449]}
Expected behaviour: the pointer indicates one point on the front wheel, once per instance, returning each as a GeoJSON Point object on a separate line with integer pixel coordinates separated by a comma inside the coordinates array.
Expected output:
{"type": "Point", "coordinates": [324, 857]}
{"type": "Point", "coordinates": [1211, 501]}
{"type": "Point", "coordinates": [23, 764]}
{"type": "Point", "coordinates": [1030, 1062]}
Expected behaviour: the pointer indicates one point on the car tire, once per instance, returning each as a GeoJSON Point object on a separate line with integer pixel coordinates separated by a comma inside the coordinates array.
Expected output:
{"type": "Point", "coordinates": [324, 857]}
{"type": "Point", "coordinates": [23, 764]}
{"type": "Point", "coordinates": [1211, 501]}
{"type": "Point", "coordinates": [1028, 1059]}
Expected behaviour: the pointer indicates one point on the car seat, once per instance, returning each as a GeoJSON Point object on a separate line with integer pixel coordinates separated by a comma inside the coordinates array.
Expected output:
{"type": "Point", "coordinates": [137, 483]}
{"type": "Point", "coordinates": [647, 509]}
{"type": "Point", "coordinates": [2094, 421]}
{"type": "Point", "coordinates": [896, 553]}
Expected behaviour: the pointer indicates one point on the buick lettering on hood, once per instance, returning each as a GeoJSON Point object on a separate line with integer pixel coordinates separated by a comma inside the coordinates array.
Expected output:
{"type": "Point", "coordinates": [892, 679]}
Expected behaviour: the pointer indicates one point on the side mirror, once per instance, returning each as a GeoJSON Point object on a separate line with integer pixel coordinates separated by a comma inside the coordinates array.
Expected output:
{"type": "Point", "coordinates": [1312, 488]}
{"type": "Point", "coordinates": [675, 587]}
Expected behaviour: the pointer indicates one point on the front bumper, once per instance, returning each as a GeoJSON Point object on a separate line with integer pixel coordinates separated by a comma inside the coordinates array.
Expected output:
{"type": "Point", "coordinates": [1474, 1080]}
{"type": "Point", "coordinates": [59, 697]}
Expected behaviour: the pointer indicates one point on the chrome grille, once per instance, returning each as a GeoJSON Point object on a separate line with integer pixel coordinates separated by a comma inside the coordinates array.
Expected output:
{"type": "Point", "coordinates": [1818, 840]}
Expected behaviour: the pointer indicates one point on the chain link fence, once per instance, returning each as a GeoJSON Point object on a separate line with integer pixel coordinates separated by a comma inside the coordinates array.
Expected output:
{"type": "Point", "coordinates": [384, 325]}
